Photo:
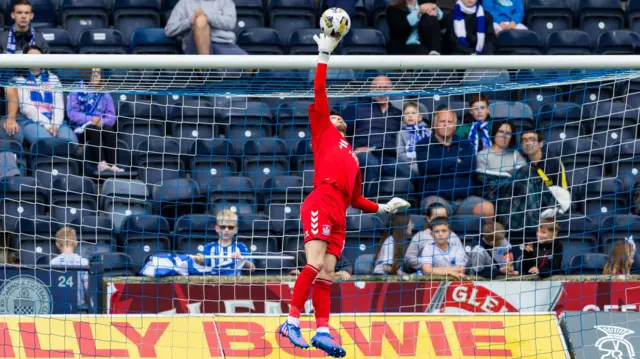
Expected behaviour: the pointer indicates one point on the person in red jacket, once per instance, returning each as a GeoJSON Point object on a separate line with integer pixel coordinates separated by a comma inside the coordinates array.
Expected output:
{"type": "Point", "coordinates": [337, 184]}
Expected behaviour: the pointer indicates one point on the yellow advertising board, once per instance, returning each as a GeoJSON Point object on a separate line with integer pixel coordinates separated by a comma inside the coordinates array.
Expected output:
{"type": "Point", "coordinates": [363, 336]}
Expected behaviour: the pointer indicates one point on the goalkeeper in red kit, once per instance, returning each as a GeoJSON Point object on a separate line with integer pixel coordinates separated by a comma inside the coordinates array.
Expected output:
{"type": "Point", "coordinates": [337, 184]}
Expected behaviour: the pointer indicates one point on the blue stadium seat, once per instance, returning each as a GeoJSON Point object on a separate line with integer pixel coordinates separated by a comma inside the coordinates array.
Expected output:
{"type": "Point", "coordinates": [560, 122]}
{"type": "Point", "coordinates": [73, 197]}
{"type": "Point", "coordinates": [79, 15]}
{"type": "Point", "coordinates": [176, 198]}
{"type": "Point", "coordinates": [621, 160]}
{"type": "Point", "coordinates": [535, 98]}
{"type": "Point", "coordinates": [468, 229]}
{"type": "Point", "coordinates": [264, 158]}
{"type": "Point", "coordinates": [123, 197]}
{"type": "Point", "coordinates": [101, 41]}
{"type": "Point", "coordinates": [50, 158]}
{"type": "Point", "coordinates": [363, 233]}
{"type": "Point", "coordinates": [286, 16]}
{"type": "Point", "coordinates": [212, 158]}
{"type": "Point", "coordinates": [378, 16]}
{"type": "Point", "coordinates": [598, 16]}
{"type": "Point", "coordinates": [578, 234]}
{"type": "Point", "coordinates": [95, 235]}
{"type": "Point", "coordinates": [364, 265]}
{"type": "Point", "coordinates": [633, 13]}
{"type": "Point", "coordinates": [24, 197]}
{"type": "Point", "coordinates": [388, 188]}
{"type": "Point", "coordinates": [545, 17]}
{"type": "Point", "coordinates": [140, 120]}
{"type": "Point", "coordinates": [569, 42]}
{"type": "Point", "coordinates": [44, 13]}
{"type": "Point", "coordinates": [192, 121]}
{"type": "Point", "coordinates": [35, 237]}
{"type": "Point", "coordinates": [113, 264]}
{"type": "Point", "coordinates": [143, 235]}
{"type": "Point", "coordinates": [152, 41]}
{"type": "Point", "coordinates": [232, 191]}
{"type": "Point", "coordinates": [301, 42]}
{"type": "Point", "coordinates": [600, 197]}
{"type": "Point", "coordinates": [283, 189]}
{"type": "Point", "coordinates": [129, 15]}
{"type": "Point", "coordinates": [618, 42]}
{"type": "Point", "coordinates": [59, 40]}
{"type": "Point", "coordinates": [294, 134]}
{"type": "Point", "coordinates": [364, 42]}
{"type": "Point", "coordinates": [613, 122]}
{"type": "Point", "coordinates": [619, 227]}
{"type": "Point", "coordinates": [252, 227]}
{"type": "Point", "coordinates": [519, 114]}
{"type": "Point", "coordinates": [518, 42]}
{"type": "Point", "coordinates": [589, 93]}
{"type": "Point", "coordinates": [192, 232]}
{"type": "Point", "coordinates": [588, 264]}
{"type": "Point", "coordinates": [280, 211]}
{"type": "Point", "coordinates": [581, 160]}
{"type": "Point", "coordinates": [260, 41]}
{"type": "Point", "coordinates": [294, 112]}
{"type": "Point", "coordinates": [160, 160]}
{"type": "Point", "coordinates": [250, 14]}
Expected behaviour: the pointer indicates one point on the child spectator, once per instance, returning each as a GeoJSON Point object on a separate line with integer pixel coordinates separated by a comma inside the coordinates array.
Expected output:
{"type": "Point", "coordinates": [441, 255]}
{"type": "Point", "coordinates": [66, 242]}
{"type": "Point", "coordinates": [94, 115]}
{"type": "Point", "coordinates": [413, 131]}
{"type": "Point", "coordinates": [414, 27]}
{"type": "Point", "coordinates": [543, 258]}
{"type": "Point", "coordinates": [391, 250]}
{"type": "Point", "coordinates": [507, 14]}
{"type": "Point", "coordinates": [621, 258]}
{"type": "Point", "coordinates": [469, 29]}
{"type": "Point", "coordinates": [492, 256]}
{"type": "Point", "coordinates": [231, 260]}
{"type": "Point", "coordinates": [477, 123]}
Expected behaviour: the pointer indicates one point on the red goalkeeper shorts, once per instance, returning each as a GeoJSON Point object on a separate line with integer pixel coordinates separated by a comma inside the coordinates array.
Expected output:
{"type": "Point", "coordinates": [323, 216]}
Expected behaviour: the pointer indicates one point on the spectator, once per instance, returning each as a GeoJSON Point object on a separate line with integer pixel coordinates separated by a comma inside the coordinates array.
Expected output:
{"type": "Point", "coordinates": [343, 270]}
{"type": "Point", "coordinates": [231, 260]}
{"type": "Point", "coordinates": [435, 207]}
{"type": "Point", "coordinates": [205, 26]}
{"type": "Point", "coordinates": [507, 14]}
{"type": "Point", "coordinates": [492, 256]}
{"type": "Point", "coordinates": [413, 131]}
{"type": "Point", "coordinates": [495, 166]}
{"type": "Point", "coordinates": [441, 255]}
{"type": "Point", "coordinates": [544, 257]}
{"type": "Point", "coordinates": [393, 244]}
{"type": "Point", "coordinates": [469, 29]}
{"type": "Point", "coordinates": [21, 33]}
{"type": "Point", "coordinates": [621, 258]}
{"type": "Point", "coordinates": [41, 105]}
{"type": "Point", "coordinates": [539, 185]}
{"type": "Point", "coordinates": [447, 162]}
{"type": "Point", "coordinates": [414, 27]}
{"type": "Point", "coordinates": [94, 115]}
{"type": "Point", "coordinates": [67, 242]}
{"type": "Point", "coordinates": [477, 123]}
{"type": "Point", "coordinates": [376, 129]}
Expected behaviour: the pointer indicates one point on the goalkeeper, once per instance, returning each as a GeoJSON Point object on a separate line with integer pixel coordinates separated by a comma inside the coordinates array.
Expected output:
{"type": "Point", "coordinates": [337, 184]}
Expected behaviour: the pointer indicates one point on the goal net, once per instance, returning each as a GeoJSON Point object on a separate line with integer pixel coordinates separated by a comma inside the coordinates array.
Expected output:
{"type": "Point", "coordinates": [129, 181]}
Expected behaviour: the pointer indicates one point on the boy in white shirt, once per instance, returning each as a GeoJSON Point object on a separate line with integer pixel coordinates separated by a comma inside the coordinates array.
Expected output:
{"type": "Point", "coordinates": [442, 255]}
{"type": "Point", "coordinates": [66, 242]}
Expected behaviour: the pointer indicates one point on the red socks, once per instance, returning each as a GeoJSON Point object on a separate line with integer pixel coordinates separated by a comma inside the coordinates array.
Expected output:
{"type": "Point", "coordinates": [322, 301]}
{"type": "Point", "coordinates": [301, 290]}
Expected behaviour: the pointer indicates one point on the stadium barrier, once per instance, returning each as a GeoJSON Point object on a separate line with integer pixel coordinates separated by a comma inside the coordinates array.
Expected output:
{"type": "Point", "coordinates": [423, 336]}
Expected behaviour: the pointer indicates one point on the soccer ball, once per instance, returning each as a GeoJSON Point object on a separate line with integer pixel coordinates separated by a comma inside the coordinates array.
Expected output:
{"type": "Point", "coordinates": [335, 22]}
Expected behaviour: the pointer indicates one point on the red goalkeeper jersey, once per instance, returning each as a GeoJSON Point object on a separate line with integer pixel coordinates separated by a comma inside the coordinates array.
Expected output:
{"type": "Point", "coordinates": [334, 160]}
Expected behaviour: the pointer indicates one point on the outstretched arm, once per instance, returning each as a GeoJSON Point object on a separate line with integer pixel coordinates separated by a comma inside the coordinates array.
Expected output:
{"type": "Point", "coordinates": [319, 110]}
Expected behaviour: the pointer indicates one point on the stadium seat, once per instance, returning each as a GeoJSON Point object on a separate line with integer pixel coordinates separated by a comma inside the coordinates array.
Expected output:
{"type": "Point", "coordinates": [378, 16]}
{"type": "Point", "coordinates": [578, 234]}
{"type": "Point", "coordinates": [112, 264]}
{"type": "Point", "coordinates": [212, 158]}
{"type": "Point", "coordinates": [468, 229]}
{"type": "Point", "coordinates": [192, 232]}
{"type": "Point", "coordinates": [160, 160]}
{"type": "Point", "coordinates": [535, 98]}
{"type": "Point", "coordinates": [296, 112]}
{"type": "Point", "coordinates": [590, 93]}
{"type": "Point", "coordinates": [288, 15]}
{"type": "Point", "coordinates": [618, 42]}
{"type": "Point", "coordinates": [519, 114]}
{"type": "Point", "coordinates": [301, 42]}
{"type": "Point", "coordinates": [59, 40]}
{"type": "Point", "coordinates": [581, 160]}
{"type": "Point", "coordinates": [24, 197]}
{"type": "Point", "coordinates": [250, 14]}
{"type": "Point", "coordinates": [598, 16]}
{"type": "Point", "coordinates": [239, 192]}
{"type": "Point", "coordinates": [50, 158]}
{"type": "Point", "coordinates": [388, 188]}
{"type": "Point", "coordinates": [129, 15]}
{"type": "Point", "coordinates": [600, 197]}
{"type": "Point", "coordinates": [177, 197]}
{"type": "Point", "coordinates": [364, 42]}
{"type": "Point", "coordinates": [560, 122]}
{"type": "Point", "coordinates": [280, 211]}
{"type": "Point", "coordinates": [79, 15]}
{"type": "Point", "coordinates": [264, 158]}
{"type": "Point", "coordinates": [364, 264]}
{"type": "Point", "coordinates": [120, 198]}
{"type": "Point", "coordinates": [621, 160]}
{"type": "Point", "coordinates": [569, 42]}
{"type": "Point", "coordinates": [632, 14]}
{"type": "Point", "coordinates": [518, 42]}
{"type": "Point", "coordinates": [545, 17]}
{"type": "Point", "coordinates": [588, 264]}
{"type": "Point", "coordinates": [73, 197]}
{"type": "Point", "coordinates": [260, 41]}
{"type": "Point", "coordinates": [293, 134]}
{"type": "Point", "coordinates": [10, 147]}
{"type": "Point", "coordinates": [283, 189]}
{"type": "Point", "coordinates": [142, 235]}
{"type": "Point", "coordinates": [152, 41]}
{"type": "Point", "coordinates": [255, 226]}
{"type": "Point", "coordinates": [192, 121]}
{"type": "Point", "coordinates": [95, 235]}
{"type": "Point", "coordinates": [44, 13]}
{"type": "Point", "coordinates": [140, 120]}
{"type": "Point", "coordinates": [613, 122]}
{"type": "Point", "coordinates": [35, 237]}
{"type": "Point", "coordinates": [101, 41]}
{"type": "Point", "coordinates": [616, 228]}
{"type": "Point", "coordinates": [363, 233]}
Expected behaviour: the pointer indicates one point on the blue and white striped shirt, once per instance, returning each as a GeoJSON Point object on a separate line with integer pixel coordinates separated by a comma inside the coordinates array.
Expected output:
{"type": "Point", "coordinates": [225, 266]}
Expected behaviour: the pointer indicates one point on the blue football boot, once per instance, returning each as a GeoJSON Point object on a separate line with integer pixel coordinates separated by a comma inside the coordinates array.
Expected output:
{"type": "Point", "coordinates": [324, 342]}
{"type": "Point", "coordinates": [294, 334]}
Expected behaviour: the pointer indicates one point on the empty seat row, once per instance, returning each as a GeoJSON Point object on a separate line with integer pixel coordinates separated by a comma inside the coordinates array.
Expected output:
{"type": "Point", "coordinates": [567, 42]}
{"type": "Point", "coordinates": [110, 41]}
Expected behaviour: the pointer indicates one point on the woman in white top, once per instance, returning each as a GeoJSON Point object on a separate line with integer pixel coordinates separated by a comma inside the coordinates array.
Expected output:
{"type": "Point", "coordinates": [390, 253]}
{"type": "Point", "coordinates": [443, 256]}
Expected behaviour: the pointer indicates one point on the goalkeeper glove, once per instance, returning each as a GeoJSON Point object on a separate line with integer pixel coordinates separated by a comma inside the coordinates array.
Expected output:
{"type": "Point", "coordinates": [326, 45]}
{"type": "Point", "coordinates": [393, 206]}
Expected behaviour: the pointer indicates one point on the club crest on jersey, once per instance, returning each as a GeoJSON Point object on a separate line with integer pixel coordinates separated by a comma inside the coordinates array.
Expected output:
{"type": "Point", "coordinates": [326, 229]}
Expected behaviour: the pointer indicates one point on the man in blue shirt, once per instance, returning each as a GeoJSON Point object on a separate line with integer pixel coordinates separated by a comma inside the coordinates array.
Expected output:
{"type": "Point", "coordinates": [231, 254]}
